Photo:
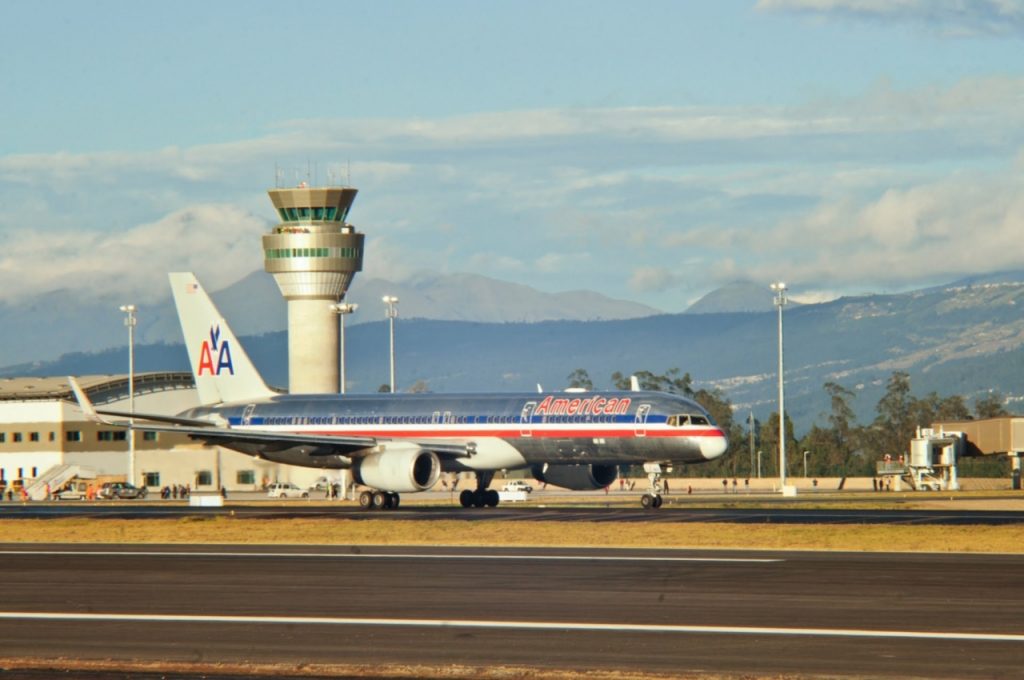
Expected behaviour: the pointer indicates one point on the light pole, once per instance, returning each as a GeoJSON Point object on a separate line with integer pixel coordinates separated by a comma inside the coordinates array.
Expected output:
{"type": "Point", "coordinates": [130, 321]}
{"type": "Point", "coordinates": [342, 309]}
{"type": "Point", "coordinates": [805, 463]}
{"type": "Point", "coordinates": [759, 463]}
{"type": "Point", "coordinates": [751, 442]}
{"type": "Point", "coordinates": [391, 301]}
{"type": "Point", "coordinates": [780, 301]}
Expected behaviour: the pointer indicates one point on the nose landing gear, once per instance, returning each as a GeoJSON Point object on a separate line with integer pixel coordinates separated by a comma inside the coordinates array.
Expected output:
{"type": "Point", "coordinates": [652, 499]}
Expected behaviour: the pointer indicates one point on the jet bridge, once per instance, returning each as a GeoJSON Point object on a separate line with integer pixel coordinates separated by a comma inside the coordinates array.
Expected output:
{"type": "Point", "coordinates": [931, 465]}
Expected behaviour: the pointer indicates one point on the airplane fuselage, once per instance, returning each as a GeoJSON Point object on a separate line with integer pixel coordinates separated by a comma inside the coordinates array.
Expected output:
{"type": "Point", "coordinates": [503, 431]}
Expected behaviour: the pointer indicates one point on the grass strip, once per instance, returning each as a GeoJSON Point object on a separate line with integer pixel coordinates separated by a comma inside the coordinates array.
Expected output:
{"type": "Point", "coordinates": [327, 531]}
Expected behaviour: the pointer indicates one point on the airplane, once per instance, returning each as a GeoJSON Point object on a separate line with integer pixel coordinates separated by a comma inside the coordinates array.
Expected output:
{"type": "Point", "coordinates": [402, 443]}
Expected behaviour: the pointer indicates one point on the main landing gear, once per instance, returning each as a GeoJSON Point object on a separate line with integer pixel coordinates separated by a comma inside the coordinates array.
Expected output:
{"type": "Point", "coordinates": [652, 499]}
{"type": "Point", "coordinates": [481, 496]}
{"type": "Point", "coordinates": [379, 500]}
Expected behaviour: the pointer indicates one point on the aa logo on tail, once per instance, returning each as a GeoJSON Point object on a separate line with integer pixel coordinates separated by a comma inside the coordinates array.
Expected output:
{"type": "Point", "coordinates": [221, 349]}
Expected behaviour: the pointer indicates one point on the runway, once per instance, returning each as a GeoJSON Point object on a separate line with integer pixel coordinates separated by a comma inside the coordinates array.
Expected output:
{"type": "Point", "coordinates": [840, 614]}
{"type": "Point", "coordinates": [591, 512]}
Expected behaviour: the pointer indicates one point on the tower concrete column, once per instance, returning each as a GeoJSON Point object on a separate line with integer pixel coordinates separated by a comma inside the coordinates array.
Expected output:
{"type": "Point", "coordinates": [313, 347]}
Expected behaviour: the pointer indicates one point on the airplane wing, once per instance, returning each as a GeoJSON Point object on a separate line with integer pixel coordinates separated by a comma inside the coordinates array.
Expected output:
{"type": "Point", "coordinates": [222, 435]}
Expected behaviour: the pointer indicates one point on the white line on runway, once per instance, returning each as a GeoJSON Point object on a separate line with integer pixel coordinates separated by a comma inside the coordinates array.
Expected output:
{"type": "Point", "coordinates": [515, 625]}
{"type": "Point", "coordinates": [375, 555]}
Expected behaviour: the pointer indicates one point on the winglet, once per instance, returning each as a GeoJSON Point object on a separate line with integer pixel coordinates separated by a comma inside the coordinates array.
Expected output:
{"type": "Point", "coordinates": [84, 403]}
{"type": "Point", "coordinates": [634, 383]}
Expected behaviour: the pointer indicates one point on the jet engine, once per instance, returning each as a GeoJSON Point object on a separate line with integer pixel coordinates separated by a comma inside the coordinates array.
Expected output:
{"type": "Point", "coordinates": [577, 477]}
{"type": "Point", "coordinates": [398, 469]}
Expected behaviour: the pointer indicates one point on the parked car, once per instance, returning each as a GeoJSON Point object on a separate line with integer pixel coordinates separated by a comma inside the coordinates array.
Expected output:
{"type": "Point", "coordinates": [111, 490]}
{"type": "Point", "coordinates": [517, 485]}
{"type": "Point", "coordinates": [286, 490]}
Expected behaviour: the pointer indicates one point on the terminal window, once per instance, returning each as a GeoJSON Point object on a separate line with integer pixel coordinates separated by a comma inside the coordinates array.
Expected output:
{"type": "Point", "coordinates": [33, 436]}
{"type": "Point", "coordinates": [17, 437]}
{"type": "Point", "coordinates": [73, 435]}
{"type": "Point", "coordinates": [204, 478]}
{"type": "Point", "coordinates": [149, 436]}
{"type": "Point", "coordinates": [246, 477]}
{"type": "Point", "coordinates": [151, 479]}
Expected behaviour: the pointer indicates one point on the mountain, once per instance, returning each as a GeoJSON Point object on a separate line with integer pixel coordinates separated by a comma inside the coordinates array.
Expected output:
{"type": "Point", "coordinates": [740, 296]}
{"type": "Point", "coordinates": [63, 321]}
{"type": "Point", "coordinates": [963, 340]}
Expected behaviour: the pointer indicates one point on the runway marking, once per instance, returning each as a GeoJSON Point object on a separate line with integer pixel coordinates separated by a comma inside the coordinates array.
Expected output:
{"type": "Point", "coordinates": [404, 556]}
{"type": "Point", "coordinates": [514, 625]}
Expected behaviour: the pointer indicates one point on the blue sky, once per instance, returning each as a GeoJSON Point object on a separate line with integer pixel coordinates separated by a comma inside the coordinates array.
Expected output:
{"type": "Point", "coordinates": [650, 151]}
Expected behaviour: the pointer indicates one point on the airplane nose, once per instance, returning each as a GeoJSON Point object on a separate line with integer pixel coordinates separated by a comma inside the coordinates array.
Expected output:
{"type": "Point", "coordinates": [713, 447]}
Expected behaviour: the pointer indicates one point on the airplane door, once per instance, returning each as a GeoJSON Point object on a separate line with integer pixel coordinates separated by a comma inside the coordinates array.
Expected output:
{"type": "Point", "coordinates": [247, 414]}
{"type": "Point", "coordinates": [642, 411]}
{"type": "Point", "coordinates": [525, 424]}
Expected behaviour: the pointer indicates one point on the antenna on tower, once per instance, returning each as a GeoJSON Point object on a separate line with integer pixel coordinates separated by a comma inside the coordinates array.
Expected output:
{"type": "Point", "coordinates": [348, 172]}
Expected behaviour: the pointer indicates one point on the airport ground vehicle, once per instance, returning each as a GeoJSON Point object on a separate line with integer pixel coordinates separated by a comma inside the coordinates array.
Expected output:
{"type": "Point", "coordinates": [286, 490]}
{"type": "Point", "coordinates": [73, 491]}
{"type": "Point", "coordinates": [517, 485]}
{"type": "Point", "coordinates": [111, 490]}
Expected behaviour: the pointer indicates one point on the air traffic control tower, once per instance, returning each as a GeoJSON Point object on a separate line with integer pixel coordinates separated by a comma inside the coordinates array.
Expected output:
{"type": "Point", "coordinates": [313, 254]}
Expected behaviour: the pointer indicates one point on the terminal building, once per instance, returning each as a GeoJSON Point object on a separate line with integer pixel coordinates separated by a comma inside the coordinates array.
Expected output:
{"type": "Point", "coordinates": [42, 429]}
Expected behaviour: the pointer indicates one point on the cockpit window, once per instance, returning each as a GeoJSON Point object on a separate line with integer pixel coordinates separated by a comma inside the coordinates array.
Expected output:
{"type": "Point", "coordinates": [684, 419]}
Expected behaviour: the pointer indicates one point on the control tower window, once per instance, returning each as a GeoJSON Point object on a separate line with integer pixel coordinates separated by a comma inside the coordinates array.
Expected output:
{"type": "Point", "coordinates": [284, 215]}
{"type": "Point", "coordinates": [292, 215]}
{"type": "Point", "coordinates": [304, 213]}
{"type": "Point", "coordinates": [318, 214]}
{"type": "Point", "coordinates": [329, 212]}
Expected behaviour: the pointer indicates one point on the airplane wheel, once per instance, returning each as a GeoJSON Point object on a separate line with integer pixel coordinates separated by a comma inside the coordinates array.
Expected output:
{"type": "Point", "coordinates": [380, 500]}
{"type": "Point", "coordinates": [393, 501]}
{"type": "Point", "coordinates": [491, 498]}
{"type": "Point", "coordinates": [647, 500]}
{"type": "Point", "coordinates": [366, 500]}
{"type": "Point", "coordinates": [657, 501]}
{"type": "Point", "coordinates": [466, 498]}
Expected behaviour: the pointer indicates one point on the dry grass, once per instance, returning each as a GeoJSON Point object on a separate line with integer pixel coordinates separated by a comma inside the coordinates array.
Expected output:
{"type": "Point", "coordinates": [327, 531]}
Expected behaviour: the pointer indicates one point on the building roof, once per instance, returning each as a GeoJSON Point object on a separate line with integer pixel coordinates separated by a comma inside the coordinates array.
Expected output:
{"type": "Point", "coordinates": [100, 388]}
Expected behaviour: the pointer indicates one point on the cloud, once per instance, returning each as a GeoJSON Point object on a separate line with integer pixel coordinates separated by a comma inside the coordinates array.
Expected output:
{"type": "Point", "coordinates": [950, 17]}
{"type": "Point", "coordinates": [828, 194]}
{"type": "Point", "coordinates": [647, 279]}
{"type": "Point", "coordinates": [219, 242]}
{"type": "Point", "coordinates": [902, 236]}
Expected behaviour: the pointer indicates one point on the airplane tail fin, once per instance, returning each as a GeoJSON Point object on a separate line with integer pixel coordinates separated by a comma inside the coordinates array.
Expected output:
{"type": "Point", "coordinates": [223, 371]}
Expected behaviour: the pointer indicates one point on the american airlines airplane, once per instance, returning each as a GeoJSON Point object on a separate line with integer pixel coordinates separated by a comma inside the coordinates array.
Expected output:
{"type": "Point", "coordinates": [396, 443]}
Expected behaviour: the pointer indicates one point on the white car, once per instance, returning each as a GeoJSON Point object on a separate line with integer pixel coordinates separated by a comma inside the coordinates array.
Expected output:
{"type": "Point", "coordinates": [286, 490]}
{"type": "Point", "coordinates": [517, 485]}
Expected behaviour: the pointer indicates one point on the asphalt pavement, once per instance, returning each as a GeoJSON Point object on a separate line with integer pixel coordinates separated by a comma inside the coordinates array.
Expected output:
{"type": "Point", "coordinates": [680, 611]}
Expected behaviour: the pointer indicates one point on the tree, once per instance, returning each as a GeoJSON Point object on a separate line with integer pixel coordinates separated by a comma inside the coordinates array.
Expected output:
{"type": "Point", "coordinates": [992, 405]}
{"type": "Point", "coordinates": [419, 387]}
{"type": "Point", "coordinates": [581, 379]}
{"type": "Point", "coordinates": [671, 382]}
{"type": "Point", "coordinates": [894, 426]}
